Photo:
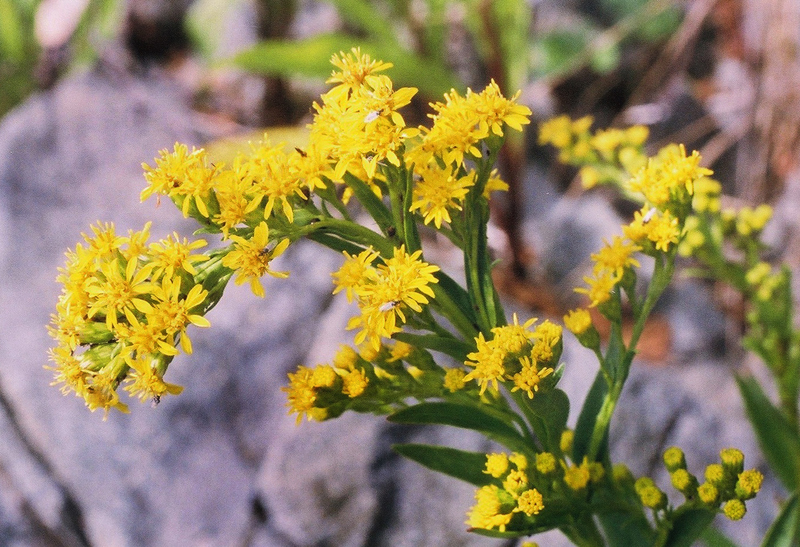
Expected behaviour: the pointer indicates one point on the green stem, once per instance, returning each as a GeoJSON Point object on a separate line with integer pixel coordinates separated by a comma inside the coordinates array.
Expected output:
{"type": "Point", "coordinates": [477, 262]}
{"type": "Point", "coordinates": [664, 268]}
{"type": "Point", "coordinates": [348, 231]}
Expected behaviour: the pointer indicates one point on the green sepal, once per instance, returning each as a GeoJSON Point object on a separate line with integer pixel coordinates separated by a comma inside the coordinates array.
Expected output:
{"type": "Point", "coordinates": [785, 529]}
{"type": "Point", "coordinates": [551, 408]}
{"type": "Point", "coordinates": [463, 465]}
{"type": "Point", "coordinates": [688, 526]}
{"type": "Point", "coordinates": [588, 417]}
{"type": "Point", "coordinates": [464, 416]}
{"type": "Point", "coordinates": [779, 441]}
{"type": "Point", "coordinates": [449, 346]}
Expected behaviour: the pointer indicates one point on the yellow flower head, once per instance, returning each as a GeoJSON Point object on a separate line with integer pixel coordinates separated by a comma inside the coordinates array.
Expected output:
{"type": "Point", "coordinates": [356, 271]}
{"type": "Point", "coordinates": [659, 227]}
{"type": "Point", "coordinates": [354, 383]}
{"type": "Point", "coordinates": [146, 383]}
{"type": "Point", "coordinates": [545, 463]}
{"type": "Point", "coordinates": [670, 175]}
{"type": "Point", "coordinates": [748, 484]}
{"type": "Point", "coordinates": [460, 123]}
{"type": "Point", "coordinates": [616, 256]}
{"type": "Point", "coordinates": [578, 321]}
{"type": "Point", "coordinates": [354, 67]}
{"type": "Point", "coordinates": [275, 180]}
{"type": "Point", "coordinates": [530, 502]}
{"type": "Point", "coordinates": [530, 376]}
{"type": "Point", "coordinates": [173, 169]}
{"type": "Point", "coordinates": [171, 254]}
{"type": "Point", "coordinates": [734, 509]}
{"type": "Point", "coordinates": [600, 287]}
{"type": "Point", "coordinates": [438, 191]}
{"type": "Point", "coordinates": [300, 393]}
{"type": "Point", "coordinates": [496, 464]}
{"type": "Point", "coordinates": [401, 282]}
{"type": "Point", "coordinates": [493, 509]}
{"type": "Point", "coordinates": [251, 258]}
{"type": "Point", "coordinates": [454, 379]}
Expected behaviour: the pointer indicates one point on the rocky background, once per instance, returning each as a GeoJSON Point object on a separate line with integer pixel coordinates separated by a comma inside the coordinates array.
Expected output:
{"type": "Point", "coordinates": [223, 464]}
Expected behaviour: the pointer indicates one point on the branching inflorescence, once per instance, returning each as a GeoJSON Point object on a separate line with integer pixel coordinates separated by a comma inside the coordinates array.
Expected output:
{"type": "Point", "coordinates": [427, 349]}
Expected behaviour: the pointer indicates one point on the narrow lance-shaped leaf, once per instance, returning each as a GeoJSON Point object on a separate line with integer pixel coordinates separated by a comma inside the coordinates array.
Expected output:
{"type": "Point", "coordinates": [588, 417]}
{"type": "Point", "coordinates": [688, 526]}
{"type": "Point", "coordinates": [464, 416]}
{"type": "Point", "coordinates": [467, 466]}
{"type": "Point", "coordinates": [449, 346]}
{"type": "Point", "coordinates": [779, 441]}
{"type": "Point", "coordinates": [552, 409]}
{"type": "Point", "coordinates": [785, 529]}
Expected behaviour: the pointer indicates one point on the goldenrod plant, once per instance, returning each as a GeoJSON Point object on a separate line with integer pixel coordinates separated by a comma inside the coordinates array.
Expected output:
{"type": "Point", "coordinates": [723, 244]}
{"type": "Point", "coordinates": [426, 349]}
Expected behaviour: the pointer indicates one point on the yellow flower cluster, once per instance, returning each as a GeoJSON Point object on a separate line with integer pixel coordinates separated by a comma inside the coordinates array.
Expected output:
{"type": "Point", "coordinates": [516, 354]}
{"type": "Point", "coordinates": [126, 304]}
{"type": "Point", "coordinates": [519, 492]}
{"type": "Point", "coordinates": [322, 392]}
{"type": "Point", "coordinates": [610, 265]}
{"type": "Point", "coordinates": [669, 176]}
{"type": "Point", "coordinates": [605, 156]}
{"type": "Point", "coordinates": [369, 380]}
{"type": "Point", "coordinates": [124, 309]}
{"type": "Point", "coordinates": [497, 504]}
{"type": "Point", "coordinates": [384, 291]}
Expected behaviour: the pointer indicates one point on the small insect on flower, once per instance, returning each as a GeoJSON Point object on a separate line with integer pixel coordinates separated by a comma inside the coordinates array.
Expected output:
{"type": "Point", "coordinates": [372, 116]}
{"type": "Point", "coordinates": [388, 306]}
{"type": "Point", "coordinates": [649, 215]}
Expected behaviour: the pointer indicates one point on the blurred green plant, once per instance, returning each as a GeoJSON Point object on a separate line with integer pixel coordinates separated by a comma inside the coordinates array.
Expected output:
{"type": "Point", "coordinates": [18, 52]}
{"type": "Point", "coordinates": [725, 245]}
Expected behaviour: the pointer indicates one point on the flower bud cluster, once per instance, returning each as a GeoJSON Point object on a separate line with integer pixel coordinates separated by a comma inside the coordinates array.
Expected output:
{"type": "Point", "coordinates": [727, 484]}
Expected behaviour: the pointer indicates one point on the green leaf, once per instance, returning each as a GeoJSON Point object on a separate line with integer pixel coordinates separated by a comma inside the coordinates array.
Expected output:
{"type": "Point", "coordinates": [498, 534]}
{"type": "Point", "coordinates": [785, 529]}
{"type": "Point", "coordinates": [363, 15]}
{"type": "Point", "coordinates": [449, 346]}
{"type": "Point", "coordinates": [12, 41]}
{"type": "Point", "coordinates": [458, 296]}
{"type": "Point", "coordinates": [712, 537]}
{"type": "Point", "coordinates": [606, 57]}
{"type": "Point", "coordinates": [311, 57]}
{"type": "Point", "coordinates": [467, 466]}
{"type": "Point", "coordinates": [558, 52]}
{"type": "Point", "coordinates": [552, 409]}
{"type": "Point", "coordinates": [463, 416]}
{"type": "Point", "coordinates": [779, 441]}
{"type": "Point", "coordinates": [367, 198]}
{"type": "Point", "coordinates": [688, 526]}
{"type": "Point", "coordinates": [588, 417]}
{"type": "Point", "coordinates": [627, 528]}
